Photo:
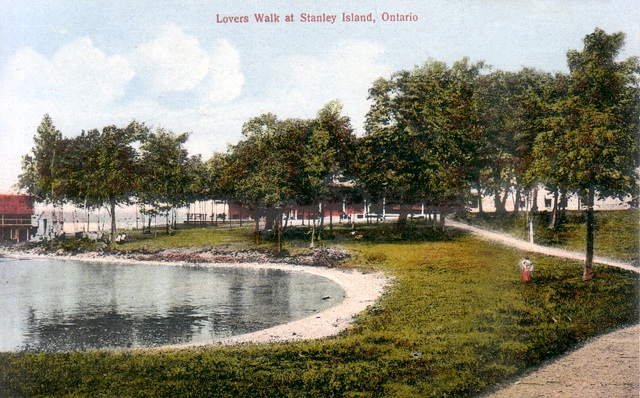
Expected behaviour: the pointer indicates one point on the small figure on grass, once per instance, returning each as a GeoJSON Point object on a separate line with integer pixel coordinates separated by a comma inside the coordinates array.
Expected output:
{"type": "Point", "coordinates": [526, 266]}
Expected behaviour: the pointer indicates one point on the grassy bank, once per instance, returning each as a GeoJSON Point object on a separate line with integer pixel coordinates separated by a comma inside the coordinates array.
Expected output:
{"type": "Point", "coordinates": [457, 321]}
{"type": "Point", "coordinates": [616, 234]}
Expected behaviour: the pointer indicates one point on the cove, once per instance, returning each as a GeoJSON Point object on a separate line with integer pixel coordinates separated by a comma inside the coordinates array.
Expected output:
{"type": "Point", "coordinates": [57, 306]}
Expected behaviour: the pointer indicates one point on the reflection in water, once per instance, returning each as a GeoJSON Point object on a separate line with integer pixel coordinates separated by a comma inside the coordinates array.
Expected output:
{"type": "Point", "coordinates": [56, 305]}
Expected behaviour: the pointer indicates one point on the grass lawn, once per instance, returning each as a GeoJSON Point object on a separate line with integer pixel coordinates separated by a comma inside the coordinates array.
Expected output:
{"type": "Point", "coordinates": [456, 322]}
{"type": "Point", "coordinates": [617, 233]}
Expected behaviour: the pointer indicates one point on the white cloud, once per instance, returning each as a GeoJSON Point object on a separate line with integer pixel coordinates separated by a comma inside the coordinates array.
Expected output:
{"type": "Point", "coordinates": [78, 73]}
{"type": "Point", "coordinates": [346, 73]}
{"type": "Point", "coordinates": [225, 79]}
{"type": "Point", "coordinates": [86, 73]}
{"type": "Point", "coordinates": [77, 85]}
{"type": "Point", "coordinates": [173, 61]}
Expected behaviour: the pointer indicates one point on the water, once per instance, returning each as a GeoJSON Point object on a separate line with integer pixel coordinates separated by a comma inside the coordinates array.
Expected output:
{"type": "Point", "coordinates": [52, 305]}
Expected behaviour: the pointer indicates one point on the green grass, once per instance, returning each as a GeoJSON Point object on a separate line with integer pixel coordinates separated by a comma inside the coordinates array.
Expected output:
{"type": "Point", "coordinates": [617, 234]}
{"type": "Point", "coordinates": [238, 237]}
{"type": "Point", "coordinates": [456, 322]}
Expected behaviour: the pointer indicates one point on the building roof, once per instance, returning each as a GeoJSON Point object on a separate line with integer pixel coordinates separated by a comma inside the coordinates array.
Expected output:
{"type": "Point", "coordinates": [16, 204]}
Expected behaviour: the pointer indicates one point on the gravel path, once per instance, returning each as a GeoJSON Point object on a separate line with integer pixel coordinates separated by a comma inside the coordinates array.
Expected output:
{"type": "Point", "coordinates": [608, 366]}
{"type": "Point", "coordinates": [524, 245]}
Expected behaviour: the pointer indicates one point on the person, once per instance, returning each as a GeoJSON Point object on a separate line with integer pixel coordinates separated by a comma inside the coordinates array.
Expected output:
{"type": "Point", "coordinates": [526, 265]}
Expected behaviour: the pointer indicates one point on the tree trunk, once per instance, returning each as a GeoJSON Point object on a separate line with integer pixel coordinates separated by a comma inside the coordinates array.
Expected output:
{"type": "Point", "coordinates": [497, 201]}
{"type": "Point", "coordinates": [534, 198]}
{"type": "Point", "coordinates": [286, 220]}
{"type": "Point", "coordinates": [503, 201]}
{"type": "Point", "coordinates": [480, 209]}
{"type": "Point", "coordinates": [588, 273]}
{"type": "Point", "coordinates": [533, 208]}
{"type": "Point", "coordinates": [554, 215]}
{"type": "Point", "coordinates": [174, 218]}
{"type": "Point", "coordinates": [112, 207]}
{"type": "Point", "coordinates": [402, 216]}
{"type": "Point", "coordinates": [365, 211]}
{"type": "Point", "coordinates": [313, 234]}
{"type": "Point", "coordinates": [530, 227]}
{"type": "Point", "coordinates": [269, 220]}
{"type": "Point", "coordinates": [516, 207]}
{"type": "Point", "coordinates": [256, 231]}
{"type": "Point", "coordinates": [443, 216]}
{"type": "Point", "coordinates": [278, 231]}
{"type": "Point", "coordinates": [331, 218]}
{"type": "Point", "coordinates": [563, 204]}
{"type": "Point", "coordinates": [321, 220]}
{"type": "Point", "coordinates": [384, 207]}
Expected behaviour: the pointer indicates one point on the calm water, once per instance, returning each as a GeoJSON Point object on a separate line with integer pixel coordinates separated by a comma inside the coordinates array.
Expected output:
{"type": "Point", "coordinates": [65, 305]}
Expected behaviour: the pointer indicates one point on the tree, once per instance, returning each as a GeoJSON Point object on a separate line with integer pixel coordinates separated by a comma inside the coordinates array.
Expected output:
{"type": "Point", "coordinates": [592, 144]}
{"type": "Point", "coordinates": [329, 151]}
{"type": "Point", "coordinates": [261, 171]}
{"type": "Point", "coordinates": [166, 172]}
{"type": "Point", "coordinates": [113, 179]}
{"type": "Point", "coordinates": [42, 170]}
{"type": "Point", "coordinates": [281, 163]}
{"type": "Point", "coordinates": [420, 135]}
{"type": "Point", "coordinates": [509, 107]}
{"type": "Point", "coordinates": [45, 171]}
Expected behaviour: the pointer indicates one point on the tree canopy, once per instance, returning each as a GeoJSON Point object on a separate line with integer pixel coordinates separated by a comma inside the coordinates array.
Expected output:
{"type": "Point", "coordinates": [420, 135]}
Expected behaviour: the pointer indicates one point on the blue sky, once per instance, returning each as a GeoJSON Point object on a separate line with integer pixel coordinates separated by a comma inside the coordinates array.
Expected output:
{"type": "Point", "coordinates": [169, 64]}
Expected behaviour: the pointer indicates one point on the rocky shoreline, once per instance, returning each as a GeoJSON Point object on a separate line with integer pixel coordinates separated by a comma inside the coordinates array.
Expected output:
{"type": "Point", "coordinates": [321, 256]}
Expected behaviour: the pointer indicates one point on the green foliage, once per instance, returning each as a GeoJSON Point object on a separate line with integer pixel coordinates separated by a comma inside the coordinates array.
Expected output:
{"type": "Point", "coordinates": [238, 238]}
{"type": "Point", "coordinates": [420, 134]}
{"type": "Point", "coordinates": [168, 177]}
{"type": "Point", "coordinates": [164, 166]}
{"type": "Point", "coordinates": [593, 138]}
{"type": "Point", "coordinates": [456, 321]}
{"type": "Point", "coordinates": [510, 106]}
{"type": "Point", "coordinates": [42, 170]}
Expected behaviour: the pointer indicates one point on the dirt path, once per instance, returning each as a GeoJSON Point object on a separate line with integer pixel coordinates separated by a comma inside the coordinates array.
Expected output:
{"type": "Point", "coordinates": [608, 366]}
{"type": "Point", "coordinates": [524, 245]}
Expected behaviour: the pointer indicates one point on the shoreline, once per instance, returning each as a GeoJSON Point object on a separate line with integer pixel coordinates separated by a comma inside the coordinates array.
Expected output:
{"type": "Point", "coordinates": [360, 291]}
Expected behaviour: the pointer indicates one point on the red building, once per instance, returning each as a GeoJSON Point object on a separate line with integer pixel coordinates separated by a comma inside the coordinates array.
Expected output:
{"type": "Point", "coordinates": [15, 217]}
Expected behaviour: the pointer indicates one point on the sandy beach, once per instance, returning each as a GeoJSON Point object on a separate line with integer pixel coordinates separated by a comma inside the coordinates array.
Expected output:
{"type": "Point", "coordinates": [360, 291]}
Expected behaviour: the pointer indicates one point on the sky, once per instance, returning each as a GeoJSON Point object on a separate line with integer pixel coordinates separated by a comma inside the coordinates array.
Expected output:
{"type": "Point", "coordinates": [188, 67]}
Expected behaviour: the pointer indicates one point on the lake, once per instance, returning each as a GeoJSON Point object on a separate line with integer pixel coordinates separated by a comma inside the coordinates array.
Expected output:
{"type": "Point", "coordinates": [57, 305]}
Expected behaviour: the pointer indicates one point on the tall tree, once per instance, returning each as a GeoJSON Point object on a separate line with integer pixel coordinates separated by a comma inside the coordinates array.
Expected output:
{"type": "Point", "coordinates": [593, 142]}
{"type": "Point", "coordinates": [421, 134]}
{"type": "Point", "coordinates": [114, 178]}
{"type": "Point", "coordinates": [261, 171]}
{"type": "Point", "coordinates": [166, 175]}
{"type": "Point", "coordinates": [329, 152]}
{"type": "Point", "coordinates": [42, 170]}
{"type": "Point", "coordinates": [509, 110]}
